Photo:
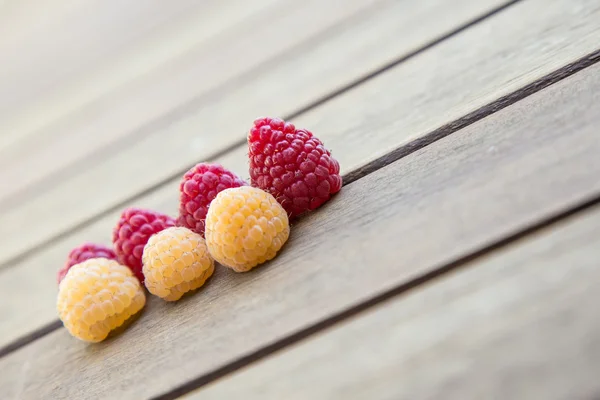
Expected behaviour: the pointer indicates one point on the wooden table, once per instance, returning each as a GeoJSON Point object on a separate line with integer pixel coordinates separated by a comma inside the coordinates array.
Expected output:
{"type": "Point", "coordinates": [461, 260]}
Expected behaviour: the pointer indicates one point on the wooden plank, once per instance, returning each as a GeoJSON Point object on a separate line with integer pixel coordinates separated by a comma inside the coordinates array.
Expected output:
{"type": "Point", "coordinates": [279, 88]}
{"type": "Point", "coordinates": [530, 161]}
{"type": "Point", "coordinates": [55, 54]}
{"type": "Point", "coordinates": [171, 68]}
{"type": "Point", "coordinates": [520, 323]}
{"type": "Point", "coordinates": [68, 38]}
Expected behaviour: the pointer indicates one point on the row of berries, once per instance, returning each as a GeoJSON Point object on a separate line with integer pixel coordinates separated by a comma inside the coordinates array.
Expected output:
{"type": "Point", "coordinates": [221, 218]}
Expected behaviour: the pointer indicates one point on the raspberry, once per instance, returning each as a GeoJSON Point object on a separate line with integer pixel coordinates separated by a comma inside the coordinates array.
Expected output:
{"type": "Point", "coordinates": [198, 188]}
{"type": "Point", "coordinates": [85, 252]}
{"type": "Point", "coordinates": [176, 261]}
{"type": "Point", "coordinates": [97, 296]}
{"type": "Point", "coordinates": [132, 232]}
{"type": "Point", "coordinates": [292, 165]}
{"type": "Point", "coordinates": [245, 227]}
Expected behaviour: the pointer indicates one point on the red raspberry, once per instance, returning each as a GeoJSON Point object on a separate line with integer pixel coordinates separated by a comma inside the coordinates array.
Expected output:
{"type": "Point", "coordinates": [83, 253]}
{"type": "Point", "coordinates": [198, 188]}
{"type": "Point", "coordinates": [132, 232]}
{"type": "Point", "coordinates": [292, 165]}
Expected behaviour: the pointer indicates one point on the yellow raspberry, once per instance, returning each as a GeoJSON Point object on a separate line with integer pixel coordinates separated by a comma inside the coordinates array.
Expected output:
{"type": "Point", "coordinates": [97, 296]}
{"type": "Point", "coordinates": [176, 261]}
{"type": "Point", "coordinates": [245, 226]}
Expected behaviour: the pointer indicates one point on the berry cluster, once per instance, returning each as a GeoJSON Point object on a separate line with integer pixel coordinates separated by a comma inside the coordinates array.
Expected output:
{"type": "Point", "coordinates": [221, 218]}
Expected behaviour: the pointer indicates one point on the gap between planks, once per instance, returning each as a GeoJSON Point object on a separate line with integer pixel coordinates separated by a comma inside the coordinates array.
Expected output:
{"type": "Point", "coordinates": [474, 116]}
{"type": "Point", "coordinates": [45, 243]}
{"type": "Point", "coordinates": [395, 155]}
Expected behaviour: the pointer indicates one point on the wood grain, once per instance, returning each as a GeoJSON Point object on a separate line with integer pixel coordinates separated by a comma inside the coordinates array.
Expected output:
{"type": "Point", "coordinates": [520, 323]}
{"type": "Point", "coordinates": [496, 177]}
{"type": "Point", "coordinates": [58, 55]}
{"type": "Point", "coordinates": [278, 88]}
{"type": "Point", "coordinates": [171, 69]}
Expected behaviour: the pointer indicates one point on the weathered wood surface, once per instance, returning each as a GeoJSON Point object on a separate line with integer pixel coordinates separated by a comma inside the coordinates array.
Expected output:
{"type": "Point", "coordinates": [513, 169]}
{"type": "Point", "coordinates": [36, 274]}
{"type": "Point", "coordinates": [280, 87]}
{"type": "Point", "coordinates": [520, 323]}
{"type": "Point", "coordinates": [504, 65]}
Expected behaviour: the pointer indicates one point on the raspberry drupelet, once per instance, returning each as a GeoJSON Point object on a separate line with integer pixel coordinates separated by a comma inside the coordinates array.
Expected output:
{"type": "Point", "coordinates": [82, 253]}
{"type": "Point", "coordinates": [198, 187]}
{"type": "Point", "coordinates": [245, 227]}
{"type": "Point", "coordinates": [291, 164]}
{"type": "Point", "coordinates": [132, 232]}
